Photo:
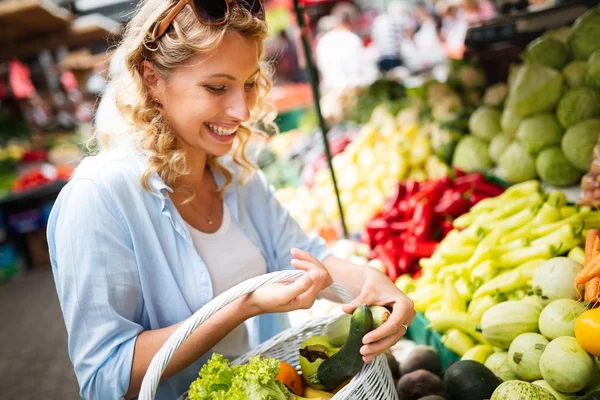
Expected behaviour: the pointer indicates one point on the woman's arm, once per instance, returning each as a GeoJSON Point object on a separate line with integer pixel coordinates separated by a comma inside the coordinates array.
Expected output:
{"type": "Point", "coordinates": [205, 337]}
{"type": "Point", "coordinates": [274, 298]}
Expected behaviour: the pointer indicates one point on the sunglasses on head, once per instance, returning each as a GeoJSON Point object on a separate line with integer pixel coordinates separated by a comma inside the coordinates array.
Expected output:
{"type": "Point", "coordinates": [211, 12]}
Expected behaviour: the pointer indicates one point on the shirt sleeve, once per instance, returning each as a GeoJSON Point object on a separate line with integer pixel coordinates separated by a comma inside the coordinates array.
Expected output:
{"type": "Point", "coordinates": [286, 233]}
{"type": "Point", "coordinates": [98, 286]}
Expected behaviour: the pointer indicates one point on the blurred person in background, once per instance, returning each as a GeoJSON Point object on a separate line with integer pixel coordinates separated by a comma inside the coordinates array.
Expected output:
{"type": "Point", "coordinates": [387, 34]}
{"type": "Point", "coordinates": [340, 53]}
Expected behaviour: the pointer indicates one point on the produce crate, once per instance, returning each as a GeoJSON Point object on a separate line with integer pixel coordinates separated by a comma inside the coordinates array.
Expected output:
{"type": "Point", "coordinates": [418, 333]}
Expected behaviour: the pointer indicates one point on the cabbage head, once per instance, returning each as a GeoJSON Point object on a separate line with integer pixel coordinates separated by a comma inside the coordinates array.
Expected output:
{"type": "Point", "coordinates": [546, 51]}
{"type": "Point", "coordinates": [516, 164]}
{"type": "Point", "coordinates": [592, 70]}
{"type": "Point", "coordinates": [578, 105]}
{"type": "Point", "coordinates": [585, 35]}
{"type": "Point", "coordinates": [535, 89]}
{"type": "Point", "coordinates": [539, 131]}
{"type": "Point", "coordinates": [510, 121]}
{"type": "Point", "coordinates": [472, 155]}
{"type": "Point", "coordinates": [485, 122]}
{"type": "Point", "coordinates": [579, 141]}
{"type": "Point", "coordinates": [553, 167]}
{"type": "Point", "coordinates": [498, 145]}
{"type": "Point", "coordinates": [560, 34]}
{"type": "Point", "coordinates": [574, 73]}
{"type": "Point", "coordinates": [495, 95]}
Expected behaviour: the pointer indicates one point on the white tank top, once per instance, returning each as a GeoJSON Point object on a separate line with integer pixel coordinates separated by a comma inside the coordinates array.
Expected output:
{"type": "Point", "coordinates": [230, 258]}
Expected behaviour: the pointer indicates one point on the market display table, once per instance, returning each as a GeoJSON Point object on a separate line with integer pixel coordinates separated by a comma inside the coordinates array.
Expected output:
{"type": "Point", "coordinates": [24, 216]}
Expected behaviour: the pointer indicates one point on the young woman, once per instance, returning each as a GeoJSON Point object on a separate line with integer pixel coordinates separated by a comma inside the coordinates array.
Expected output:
{"type": "Point", "coordinates": [173, 214]}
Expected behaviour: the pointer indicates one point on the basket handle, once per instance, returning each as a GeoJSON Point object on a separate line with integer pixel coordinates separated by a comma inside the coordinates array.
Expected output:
{"type": "Point", "coordinates": [163, 356]}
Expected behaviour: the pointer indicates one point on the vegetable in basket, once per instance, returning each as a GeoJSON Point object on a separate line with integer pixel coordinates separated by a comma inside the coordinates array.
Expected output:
{"type": "Point", "coordinates": [324, 372]}
{"type": "Point", "coordinates": [219, 380]}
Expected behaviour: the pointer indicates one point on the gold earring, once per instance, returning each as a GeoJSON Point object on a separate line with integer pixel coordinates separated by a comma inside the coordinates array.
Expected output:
{"type": "Point", "coordinates": [156, 100]}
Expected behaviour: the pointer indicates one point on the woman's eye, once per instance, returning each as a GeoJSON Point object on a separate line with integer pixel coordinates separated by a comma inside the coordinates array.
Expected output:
{"type": "Point", "coordinates": [215, 89]}
{"type": "Point", "coordinates": [250, 86]}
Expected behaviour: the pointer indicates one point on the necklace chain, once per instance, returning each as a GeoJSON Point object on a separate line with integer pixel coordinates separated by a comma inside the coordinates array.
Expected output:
{"type": "Point", "coordinates": [209, 216]}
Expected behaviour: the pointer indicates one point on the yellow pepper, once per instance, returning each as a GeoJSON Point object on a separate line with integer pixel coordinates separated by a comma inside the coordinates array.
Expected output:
{"type": "Point", "coordinates": [457, 341]}
{"type": "Point", "coordinates": [587, 331]}
{"type": "Point", "coordinates": [479, 353]}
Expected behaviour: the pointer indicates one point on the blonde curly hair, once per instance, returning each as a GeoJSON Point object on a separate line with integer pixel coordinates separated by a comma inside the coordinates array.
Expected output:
{"type": "Point", "coordinates": [185, 38]}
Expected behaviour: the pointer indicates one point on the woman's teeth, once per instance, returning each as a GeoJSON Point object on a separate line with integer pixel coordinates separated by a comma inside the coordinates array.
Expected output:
{"type": "Point", "coordinates": [221, 131]}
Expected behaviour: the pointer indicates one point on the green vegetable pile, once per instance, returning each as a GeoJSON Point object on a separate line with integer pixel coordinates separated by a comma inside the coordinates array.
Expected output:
{"type": "Point", "coordinates": [549, 121]}
{"type": "Point", "coordinates": [219, 380]}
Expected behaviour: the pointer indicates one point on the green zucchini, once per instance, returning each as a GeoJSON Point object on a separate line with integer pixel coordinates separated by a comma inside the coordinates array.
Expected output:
{"type": "Point", "coordinates": [348, 361]}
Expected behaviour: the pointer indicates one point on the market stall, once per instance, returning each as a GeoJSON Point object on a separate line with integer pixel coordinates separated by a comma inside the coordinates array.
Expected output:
{"type": "Point", "coordinates": [469, 195]}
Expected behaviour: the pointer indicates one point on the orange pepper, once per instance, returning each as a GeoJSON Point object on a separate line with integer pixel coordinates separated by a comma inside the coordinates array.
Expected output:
{"type": "Point", "coordinates": [290, 377]}
{"type": "Point", "coordinates": [587, 331]}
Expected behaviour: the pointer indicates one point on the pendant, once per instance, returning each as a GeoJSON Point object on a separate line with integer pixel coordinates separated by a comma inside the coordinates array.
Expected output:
{"type": "Point", "coordinates": [210, 221]}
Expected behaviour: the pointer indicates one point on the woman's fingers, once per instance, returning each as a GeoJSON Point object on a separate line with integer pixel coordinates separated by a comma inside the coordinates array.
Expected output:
{"type": "Point", "coordinates": [399, 316]}
{"type": "Point", "coordinates": [374, 349]}
{"type": "Point", "coordinates": [304, 255]}
{"type": "Point", "coordinates": [288, 293]}
{"type": "Point", "coordinates": [319, 275]}
{"type": "Point", "coordinates": [350, 307]}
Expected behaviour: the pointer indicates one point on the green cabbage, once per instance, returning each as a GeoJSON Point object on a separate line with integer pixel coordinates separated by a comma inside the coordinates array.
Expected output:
{"type": "Point", "coordinates": [560, 34]}
{"type": "Point", "coordinates": [444, 141]}
{"type": "Point", "coordinates": [510, 121]}
{"type": "Point", "coordinates": [516, 164]}
{"type": "Point", "coordinates": [535, 89]}
{"type": "Point", "coordinates": [485, 122]}
{"type": "Point", "coordinates": [592, 69]}
{"type": "Point", "coordinates": [574, 73]}
{"type": "Point", "coordinates": [578, 105]}
{"type": "Point", "coordinates": [579, 141]}
{"type": "Point", "coordinates": [472, 155]}
{"type": "Point", "coordinates": [219, 380]}
{"type": "Point", "coordinates": [549, 52]}
{"type": "Point", "coordinates": [585, 34]}
{"type": "Point", "coordinates": [498, 145]}
{"type": "Point", "coordinates": [495, 95]}
{"type": "Point", "coordinates": [554, 168]}
{"type": "Point", "coordinates": [539, 131]}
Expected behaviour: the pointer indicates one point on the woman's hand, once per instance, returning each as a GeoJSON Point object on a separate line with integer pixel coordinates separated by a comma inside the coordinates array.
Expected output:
{"type": "Point", "coordinates": [301, 294]}
{"type": "Point", "coordinates": [377, 289]}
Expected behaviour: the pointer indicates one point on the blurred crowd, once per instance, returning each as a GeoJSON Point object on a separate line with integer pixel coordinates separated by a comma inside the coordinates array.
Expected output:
{"type": "Point", "coordinates": [353, 46]}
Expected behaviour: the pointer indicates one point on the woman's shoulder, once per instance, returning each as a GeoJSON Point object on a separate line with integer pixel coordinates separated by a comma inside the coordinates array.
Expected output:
{"type": "Point", "coordinates": [116, 171]}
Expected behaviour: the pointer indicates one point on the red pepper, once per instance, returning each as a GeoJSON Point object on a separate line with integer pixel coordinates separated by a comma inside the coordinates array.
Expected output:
{"type": "Point", "coordinates": [453, 204]}
{"type": "Point", "coordinates": [417, 274]}
{"type": "Point", "coordinates": [471, 178]}
{"type": "Point", "coordinates": [476, 197]}
{"type": "Point", "coordinates": [393, 201]}
{"type": "Point", "coordinates": [488, 188]}
{"type": "Point", "coordinates": [458, 173]}
{"type": "Point", "coordinates": [390, 264]}
{"type": "Point", "coordinates": [446, 227]}
{"type": "Point", "coordinates": [422, 220]}
{"type": "Point", "coordinates": [420, 249]}
{"type": "Point", "coordinates": [405, 262]}
{"type": "Point", "coordinates": [430, 191]}
{"type": "Point", "coordinates": [380, 237]}
{"type": "Point", "coordinates": [400, 226]}
{"type": "Point", "coordinates": [412, 187]}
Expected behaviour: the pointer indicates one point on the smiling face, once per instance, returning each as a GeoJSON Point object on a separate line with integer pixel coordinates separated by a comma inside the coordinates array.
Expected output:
{"type": "Point", "coordinates": [206, 100]}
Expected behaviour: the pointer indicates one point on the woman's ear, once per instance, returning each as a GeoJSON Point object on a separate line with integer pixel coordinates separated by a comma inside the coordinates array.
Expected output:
{"type": "Point", "coordinates": [151, 79]}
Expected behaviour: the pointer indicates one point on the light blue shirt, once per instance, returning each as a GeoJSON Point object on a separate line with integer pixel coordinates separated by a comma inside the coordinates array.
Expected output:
{"type": "Point", "coordinates": [124, 262]}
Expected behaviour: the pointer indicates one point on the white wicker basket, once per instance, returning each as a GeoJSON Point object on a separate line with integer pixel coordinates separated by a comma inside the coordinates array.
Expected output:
{"type": "Point", "coordinates": [373, 382]}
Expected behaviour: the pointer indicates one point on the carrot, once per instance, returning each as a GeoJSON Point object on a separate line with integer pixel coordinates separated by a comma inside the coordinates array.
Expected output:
{"type": "Point", "coordinates": [589, 245]}
{"type": "Point", "coordinates": [592, 291]}
{"type": "Point", "coordinates": [589, 272]}
{"type": "Point", "coordinates": [591, 252]}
